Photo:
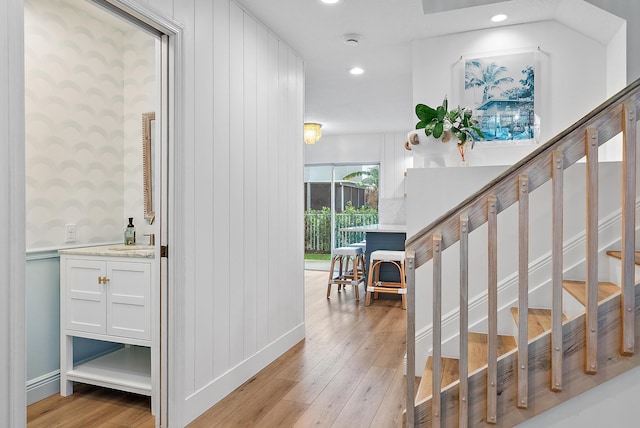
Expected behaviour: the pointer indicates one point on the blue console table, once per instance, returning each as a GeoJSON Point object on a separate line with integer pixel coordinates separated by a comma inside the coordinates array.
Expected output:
{"type": "Point", "coordinates": [383, 237]}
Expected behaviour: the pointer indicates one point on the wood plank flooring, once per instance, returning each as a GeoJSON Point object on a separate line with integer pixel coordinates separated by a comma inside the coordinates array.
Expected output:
{"type": "Point", "coordinates": [346, 373]}
{"type": "Point", "coordinates": [92, 406]}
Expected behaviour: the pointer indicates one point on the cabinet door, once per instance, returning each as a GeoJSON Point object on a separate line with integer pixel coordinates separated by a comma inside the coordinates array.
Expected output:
{"type": "Point", "coordinates": [129, 300]}
{"type": "Point", "coordinates": [85, 297]}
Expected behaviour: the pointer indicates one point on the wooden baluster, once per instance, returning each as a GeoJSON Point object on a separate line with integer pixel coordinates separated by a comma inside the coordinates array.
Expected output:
{"type": "Point", "coordinates": [628, 227]}
{"type": "Point", "coordinates": [523, 291]}
{"type": "Point", "coordinates": [463, 416]}
{"type": "Point", "coordinates": [411, 337]}
{"type": "Point", "coordinates": [492, 284]}
{"type": "Point", "coordinates": [591, 326]}
{"type": "Point", "coordinates": [436, 371]}
{"type": "Point", "coordinates": [556, 275]}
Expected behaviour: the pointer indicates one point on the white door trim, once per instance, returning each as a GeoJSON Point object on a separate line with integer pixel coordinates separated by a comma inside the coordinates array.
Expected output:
{"type": "Point", "coordinates": [13, 292]}
{"type": "Point", "coordinates": [171, 269]}
{"type": "Point", "coordinates": [172, 307]}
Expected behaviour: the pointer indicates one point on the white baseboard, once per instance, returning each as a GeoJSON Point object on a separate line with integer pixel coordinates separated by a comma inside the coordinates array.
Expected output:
{"type": "Point", "coordinates": [43, 387]}
{"type": "Point", "coordinates": [198, 402]}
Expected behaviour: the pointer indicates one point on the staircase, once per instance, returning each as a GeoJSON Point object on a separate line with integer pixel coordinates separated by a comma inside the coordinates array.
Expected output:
{"type": "Point", "coordinates": [504, 380]}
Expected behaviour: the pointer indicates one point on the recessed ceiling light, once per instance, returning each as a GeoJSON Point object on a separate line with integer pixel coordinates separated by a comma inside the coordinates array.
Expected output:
{"type": "Point", "coordinates": [499, 17]}
{"type": "Point", "coordinates": [330, 1]}
{"type": "Point", "coordinates": [356, 70]}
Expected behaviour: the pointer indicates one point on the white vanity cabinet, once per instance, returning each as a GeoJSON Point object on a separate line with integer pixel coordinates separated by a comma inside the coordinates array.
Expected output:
{"type": "Point", "coordinates": [107, 293]}
{"type": "Point", "coordinates": [108, 297]}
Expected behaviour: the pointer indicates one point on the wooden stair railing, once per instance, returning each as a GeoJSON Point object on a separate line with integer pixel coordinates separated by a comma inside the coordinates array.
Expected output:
{"type": "Point", "coordinates": [617, 114]}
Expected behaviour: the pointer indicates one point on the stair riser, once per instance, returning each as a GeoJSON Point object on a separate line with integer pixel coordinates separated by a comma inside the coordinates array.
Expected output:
{"type": "Point", "coordinates": [615, 271]}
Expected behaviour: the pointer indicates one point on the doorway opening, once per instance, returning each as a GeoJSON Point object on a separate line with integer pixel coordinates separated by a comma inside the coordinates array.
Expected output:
{"type": "Point", "coordinates": [337, 197]}
{"type": "Point", "coordinates": [92, 69]}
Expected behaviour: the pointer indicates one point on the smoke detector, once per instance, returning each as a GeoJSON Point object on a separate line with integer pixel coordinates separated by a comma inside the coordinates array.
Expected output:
{"type": "Point", "coordinates": [352, 39]}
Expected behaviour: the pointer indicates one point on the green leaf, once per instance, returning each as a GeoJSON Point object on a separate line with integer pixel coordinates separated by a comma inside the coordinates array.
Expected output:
{"type": "Point", "coordinates": [438, 130]}
{"type": "Point", "coordinates": [441, 113]}
{"type": "Point", "coordinates": [425, 113]}
{"type": "Point", "coordinates": [421, 124]}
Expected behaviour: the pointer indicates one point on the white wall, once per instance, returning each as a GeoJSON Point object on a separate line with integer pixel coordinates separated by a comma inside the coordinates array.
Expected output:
{"type": "Point", "coordinates": [12, 224]}
{"type": "Point", "coordinates": [612, 404]}
{"type": "Point", "coordinates": [243, 203]}
{"type": "Point", "coordinates": [630, 11]}
{"type": "Point", "coordinates": [89, 78]}
{"type": "Point", "coordinates": [140, 91]}
{"type": "Point", "coordinates": [563, 92]}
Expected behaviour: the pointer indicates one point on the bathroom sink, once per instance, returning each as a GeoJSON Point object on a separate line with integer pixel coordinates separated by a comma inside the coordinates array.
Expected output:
{"type": "Point", "coordinates": [123, 247]}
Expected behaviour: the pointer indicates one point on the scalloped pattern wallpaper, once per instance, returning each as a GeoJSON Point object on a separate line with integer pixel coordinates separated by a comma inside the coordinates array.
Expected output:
{"type": "Point", "coordinates": [88, 79]}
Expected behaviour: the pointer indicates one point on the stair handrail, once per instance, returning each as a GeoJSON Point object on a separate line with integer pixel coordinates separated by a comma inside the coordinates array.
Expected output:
{"type": "Point", "coordinates": [615, 115]}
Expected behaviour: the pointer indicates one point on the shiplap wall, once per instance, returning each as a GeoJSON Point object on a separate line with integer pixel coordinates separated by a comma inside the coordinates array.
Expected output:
{"type": "Point", "coordinates": [12, 221]}
{"type": "Point", "coordinates": [242, 151]}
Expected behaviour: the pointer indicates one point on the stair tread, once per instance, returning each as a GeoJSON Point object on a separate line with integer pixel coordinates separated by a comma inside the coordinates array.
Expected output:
{"type": "Point", "coordinates": [478, 348]}
{"type": "Point", "coordinates": [539, 320]}
{"type": "Point", "coordinates": [450, 372]}
{"type": "Point", "coordinates": [618, 255]}
{"type": "Point", "coordinates": [578, 290]}
{"type": "Point", "coordinates": [451, 366]}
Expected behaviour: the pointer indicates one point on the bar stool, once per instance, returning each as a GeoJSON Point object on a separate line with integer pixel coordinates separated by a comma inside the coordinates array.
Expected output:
{"type": "Point", "coordinates": [342, 256]}
{"type": "Point", "coordinates": [360, 261]}
{"type": "Point", "coordinates": [374, 285]}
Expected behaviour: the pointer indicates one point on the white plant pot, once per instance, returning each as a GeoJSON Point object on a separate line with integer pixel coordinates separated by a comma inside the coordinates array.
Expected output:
{"type": "Point", "coordinates": [433, 153]}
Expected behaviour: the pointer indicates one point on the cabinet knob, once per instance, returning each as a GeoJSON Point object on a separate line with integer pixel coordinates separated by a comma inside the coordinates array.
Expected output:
{"type": "Point", "coordinates": [103, 280]}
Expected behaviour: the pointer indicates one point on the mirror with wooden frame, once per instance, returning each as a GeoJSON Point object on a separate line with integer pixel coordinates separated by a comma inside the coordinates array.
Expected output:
{"type": "Point", "coordinates": [148, 121]}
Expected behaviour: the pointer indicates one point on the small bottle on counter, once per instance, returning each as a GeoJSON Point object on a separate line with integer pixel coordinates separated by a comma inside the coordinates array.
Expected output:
{"type": "Point", "coordinates": [130, 233]}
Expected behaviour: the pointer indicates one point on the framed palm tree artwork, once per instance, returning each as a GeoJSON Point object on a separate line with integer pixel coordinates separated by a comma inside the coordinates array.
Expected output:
{"type": "Point", "coordinates": [501, 91]}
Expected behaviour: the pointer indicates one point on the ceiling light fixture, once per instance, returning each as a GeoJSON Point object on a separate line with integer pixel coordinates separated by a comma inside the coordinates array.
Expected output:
{"type": "Point", "coordinates": [356, 71]}
{"type": "Point", "coordinates": [499, 17]}
{"type": "Point", "coordinates": [312, 133]}
{"type": "Point", "coordinates": [330, 1]}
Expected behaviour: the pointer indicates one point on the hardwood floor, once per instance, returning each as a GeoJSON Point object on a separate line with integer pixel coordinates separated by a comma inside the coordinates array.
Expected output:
{"type": "Point", "coordinates": [346, 373]}
{"type": "Point", "coordinates": [91, 406]}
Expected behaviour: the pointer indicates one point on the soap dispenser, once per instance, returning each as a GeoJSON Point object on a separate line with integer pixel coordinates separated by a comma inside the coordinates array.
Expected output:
{"type": "Point", "coordinates": [130, 233]}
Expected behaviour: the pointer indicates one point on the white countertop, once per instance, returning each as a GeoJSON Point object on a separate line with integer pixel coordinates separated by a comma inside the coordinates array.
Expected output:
{"type": "Point", "coordinates": [114, 250]}
{"type": "Point", "coordinates": [383, 228]}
